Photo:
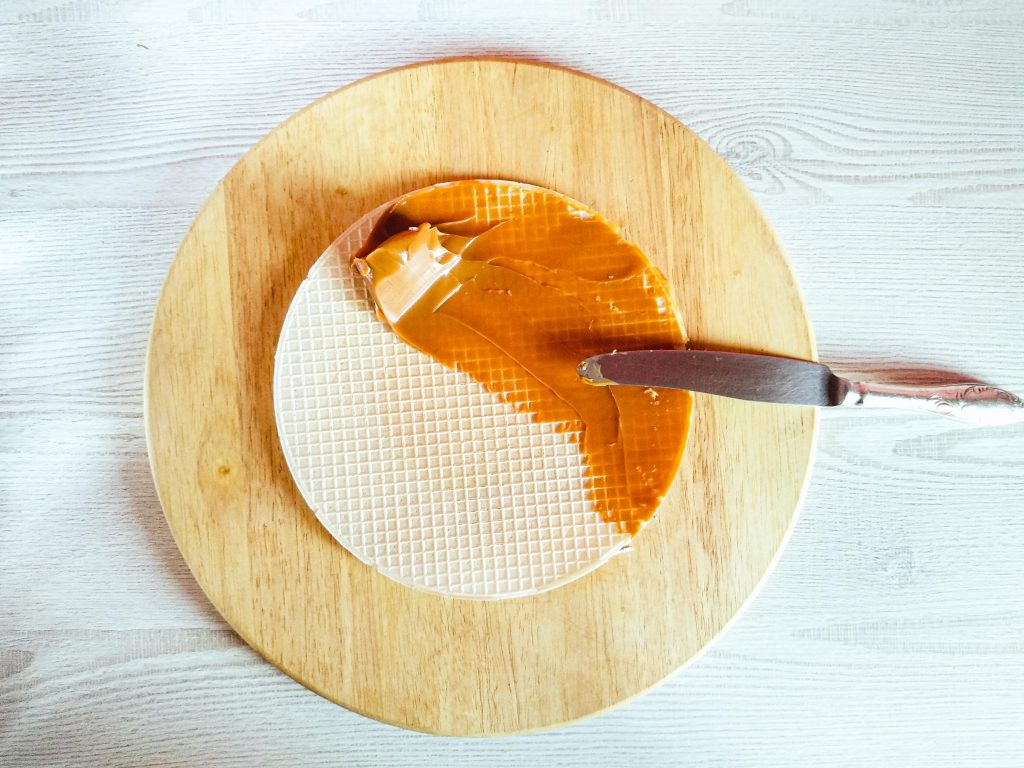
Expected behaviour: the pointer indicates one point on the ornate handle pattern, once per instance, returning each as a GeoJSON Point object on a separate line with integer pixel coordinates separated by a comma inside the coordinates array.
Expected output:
{"type": "Point", "coordinates": [977, 404]}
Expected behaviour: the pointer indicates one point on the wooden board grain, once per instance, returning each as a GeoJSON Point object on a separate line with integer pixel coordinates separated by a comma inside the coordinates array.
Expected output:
{"type": "Point", "coordinates": [303, 602]}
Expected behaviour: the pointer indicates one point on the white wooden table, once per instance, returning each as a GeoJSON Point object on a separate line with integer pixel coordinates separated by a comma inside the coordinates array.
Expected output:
{"type": "Point", "coordinates": [885, 140]}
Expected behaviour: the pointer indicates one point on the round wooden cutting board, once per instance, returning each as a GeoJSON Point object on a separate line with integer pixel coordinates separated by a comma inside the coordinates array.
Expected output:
{"type": "Point", "coordinates": [406, 657]}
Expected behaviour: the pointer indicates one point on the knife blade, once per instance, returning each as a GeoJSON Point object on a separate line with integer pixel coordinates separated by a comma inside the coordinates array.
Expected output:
{"type": "Point", "coordinates": [771, 379]}
{"type": "Point", "coordinates": [730, 374]}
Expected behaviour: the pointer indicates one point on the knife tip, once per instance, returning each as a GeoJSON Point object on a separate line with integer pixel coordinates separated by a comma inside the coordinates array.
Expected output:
{"type": "Point", "coordinates": [590, 371]}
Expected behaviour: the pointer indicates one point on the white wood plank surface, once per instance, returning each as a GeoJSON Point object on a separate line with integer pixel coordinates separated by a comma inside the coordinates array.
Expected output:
{"type": "Point", "coordinates": [884, 139]}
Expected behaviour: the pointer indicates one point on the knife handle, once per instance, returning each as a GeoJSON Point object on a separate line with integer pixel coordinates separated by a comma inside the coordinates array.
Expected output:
{"type": "Point", "coordinates": [977, 404]}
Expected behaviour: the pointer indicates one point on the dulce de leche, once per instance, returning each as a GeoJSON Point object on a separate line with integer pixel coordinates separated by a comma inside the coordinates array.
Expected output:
{"type": "Point", "coordinates": [514, 285]}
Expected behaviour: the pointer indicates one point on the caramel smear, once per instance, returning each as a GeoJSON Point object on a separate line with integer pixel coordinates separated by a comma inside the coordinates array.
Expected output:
{"type": "Point", "coordinates": [515, 285]}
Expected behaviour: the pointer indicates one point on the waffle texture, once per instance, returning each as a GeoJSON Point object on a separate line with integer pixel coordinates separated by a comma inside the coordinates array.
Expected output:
{"type": "Point", "coordinates": [416, 468]}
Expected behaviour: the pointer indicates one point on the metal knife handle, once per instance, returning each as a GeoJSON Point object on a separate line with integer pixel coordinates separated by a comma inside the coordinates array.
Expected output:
{"type": "Point", "coordinates": [977, 404]}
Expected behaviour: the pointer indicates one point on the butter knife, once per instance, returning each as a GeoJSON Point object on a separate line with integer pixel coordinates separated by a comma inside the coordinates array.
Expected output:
{"type": "Point", "coordinates": [795, 382]}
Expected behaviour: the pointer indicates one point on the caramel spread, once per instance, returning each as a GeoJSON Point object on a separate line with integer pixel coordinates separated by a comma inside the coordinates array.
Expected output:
{"type": "Point", "coordinates": [515, 285]}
